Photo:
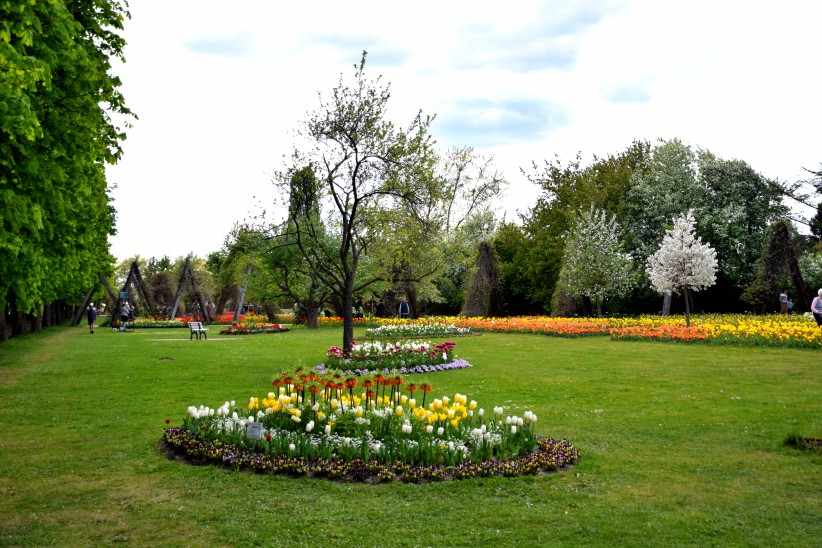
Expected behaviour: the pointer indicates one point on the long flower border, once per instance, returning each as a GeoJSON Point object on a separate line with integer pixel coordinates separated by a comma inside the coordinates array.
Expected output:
{"type": "Point", "coordinates": [551, 455]}
{"type": "Point", "coordinates": [458, 363]}
{"type": "Point", "coordinates": [255, 331]}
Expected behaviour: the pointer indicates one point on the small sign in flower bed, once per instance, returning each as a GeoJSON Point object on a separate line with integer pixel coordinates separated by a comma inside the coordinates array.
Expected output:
{"type": "Point", "coordinates": [416, 330]}
{"type": "Point", "coordinates": [406, 357]}
{"type": "Point", "coordinates": [370, 430]}
{"type": "Point", "coordinates": [253, 328]}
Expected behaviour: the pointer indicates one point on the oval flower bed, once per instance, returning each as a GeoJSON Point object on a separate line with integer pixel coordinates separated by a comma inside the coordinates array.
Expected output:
{"type": "Point", "coordinates": [416, 330]}
{"type": "Point", "coordinates": [149, 323]}
{"type": "Point", "coordinates": [253, 328]}
{"type": "Point", "coordinates": [375, 429]}
{"type": "Point", "coordinates": [403, 357]}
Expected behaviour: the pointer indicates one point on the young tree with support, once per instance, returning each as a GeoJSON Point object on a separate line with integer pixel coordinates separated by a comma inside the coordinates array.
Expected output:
{"type": "Point", "coordinates": [683, 263]}
{"type": "Point", "coordinates": [363, 163]}
{"type": "Point", "coordinates": [595, 264]}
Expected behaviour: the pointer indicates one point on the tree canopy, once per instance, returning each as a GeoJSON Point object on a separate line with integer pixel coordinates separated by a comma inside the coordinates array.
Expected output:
{"type": "Point", "coordinates": [59, 107]}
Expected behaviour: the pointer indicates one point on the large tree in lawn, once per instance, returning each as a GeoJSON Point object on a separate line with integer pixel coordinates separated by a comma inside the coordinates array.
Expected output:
{"type": "Point", "coordinates": [364, 164]}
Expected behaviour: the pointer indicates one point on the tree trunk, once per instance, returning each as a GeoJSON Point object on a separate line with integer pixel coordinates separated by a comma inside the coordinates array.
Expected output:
{"type": "Point", "coordinates": [312, 316]}
{"type": "Point", "coordinates": [241, 299]}
{"type": "Point", "coordinates": [687, 308]}
{"type": "Point", "coordinates": [16, 324]}
{"type": "Point", "coordinates": [666, 304]}
{"type": "Point", "coordinates": [3, 333]}
{"type": "Point", "coordinates": [348, 315]}
{"type": "Point", "coordinates": [413, 306]}
{"type": "Point", "coordinates": [33, 323]}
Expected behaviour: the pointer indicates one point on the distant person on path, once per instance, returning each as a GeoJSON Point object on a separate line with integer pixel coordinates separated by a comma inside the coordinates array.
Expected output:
{"type": "Point", "coordinates": [405, 310]}
{"type": "Point", "coordinates": [783, 302]}
{"type": "Point", "coordinates": [816, 308]}
{"type": "Point", "coordinates": [91, 316]}
{"type": "Point", "coordinates": [125, 313]}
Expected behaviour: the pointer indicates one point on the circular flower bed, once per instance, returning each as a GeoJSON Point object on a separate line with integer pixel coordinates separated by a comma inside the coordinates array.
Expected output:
{"type": "Point", "coordinates": [413, 370]}
{"type": "Point", "coordinates": [381, 356]}
{"type": "Point", "coordinates": [551, 455]}
{"type": "Point", "coordinates": [416, 330]}
{"type": "Point", "coordinates": [253, 329]}
{"type": "Point", "coordinates": [374, 429]}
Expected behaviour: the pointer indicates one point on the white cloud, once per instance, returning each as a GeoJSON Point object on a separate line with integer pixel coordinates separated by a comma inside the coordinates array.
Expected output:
{"type": "Point", "coordinates": [219, 89]}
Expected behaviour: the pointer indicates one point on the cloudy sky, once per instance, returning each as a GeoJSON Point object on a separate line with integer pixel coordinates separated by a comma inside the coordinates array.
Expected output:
{"type": "Point", "coordinates": [220, 87]}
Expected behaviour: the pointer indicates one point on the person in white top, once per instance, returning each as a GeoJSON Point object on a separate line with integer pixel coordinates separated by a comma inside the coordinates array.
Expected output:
{"type": "Point", "coordinates": [816, 308]}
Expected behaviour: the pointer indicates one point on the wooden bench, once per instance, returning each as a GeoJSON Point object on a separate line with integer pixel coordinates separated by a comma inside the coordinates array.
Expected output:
{"type": "Point", "coordinates": [197, 330]}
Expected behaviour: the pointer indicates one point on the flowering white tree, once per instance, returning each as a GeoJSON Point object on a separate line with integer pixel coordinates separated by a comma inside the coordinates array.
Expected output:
{"type": "Point", "coordinates": [683, 262]}
{"type": "Point", "coordinates": [594, 264]}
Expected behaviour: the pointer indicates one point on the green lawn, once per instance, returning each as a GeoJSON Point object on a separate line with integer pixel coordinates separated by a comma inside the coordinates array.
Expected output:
{"type": "Point", "coordinates": [681, 444]}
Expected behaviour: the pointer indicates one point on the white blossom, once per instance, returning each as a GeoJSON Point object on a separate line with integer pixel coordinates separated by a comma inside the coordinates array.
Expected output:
{"type": "Point", "coordinates": [683, 262]}
{"type": "Point", "coordinates": [594, 264]}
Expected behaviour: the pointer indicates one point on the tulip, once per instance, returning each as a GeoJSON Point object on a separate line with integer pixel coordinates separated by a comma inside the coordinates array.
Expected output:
{"type": "Point", "coordinates": [310, 426]}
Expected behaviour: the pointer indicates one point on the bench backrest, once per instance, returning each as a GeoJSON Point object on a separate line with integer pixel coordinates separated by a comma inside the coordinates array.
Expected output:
{"type": "Point", "coordinates": [195, 325]}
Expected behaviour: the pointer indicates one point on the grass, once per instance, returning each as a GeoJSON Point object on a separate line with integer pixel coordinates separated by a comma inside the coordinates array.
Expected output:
{"type": "Point", "coordinates": [681, 444]}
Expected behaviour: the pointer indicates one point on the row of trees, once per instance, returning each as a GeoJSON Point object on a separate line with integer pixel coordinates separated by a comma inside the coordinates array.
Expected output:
{"type": "Point", "coordinates": [374, 212]}
{"type": "Point", "coordinates": [58, 99]}
{"type": "Point", "coordinates": [565, 261]}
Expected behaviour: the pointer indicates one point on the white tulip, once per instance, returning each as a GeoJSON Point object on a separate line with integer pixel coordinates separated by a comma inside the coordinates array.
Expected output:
{"type": "Point", "coordinates": [292, 447]}
{"type": "Point", "coordinates": [327, 429]}
{"type": "Point", "coordinates": [440, 431]}
{"type": "Point", "coordinates": [429, 428]}
{"type": "Point", "coordinates": [310, 426]}
{"type": "Point", "coordinates": [513, 428]}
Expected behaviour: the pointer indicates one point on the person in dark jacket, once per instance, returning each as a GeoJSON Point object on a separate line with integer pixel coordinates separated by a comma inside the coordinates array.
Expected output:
{"type": "Point", "coordinates": [91, 316]}
{"type": "Point", "coordinates": [404, 310]}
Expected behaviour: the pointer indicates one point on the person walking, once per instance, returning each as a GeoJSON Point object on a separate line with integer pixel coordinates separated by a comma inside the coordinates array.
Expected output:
{"type": "Point", "coordinates": [91, 316]}
{"type": "Point", "coordinates": [816, 308]}
{"type": "Point", "coordinates": [405, 310]}
{"type": "Point", "coordinates": [125, 313]}
{"type": "Point", "coordinates": [783, 302]}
